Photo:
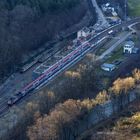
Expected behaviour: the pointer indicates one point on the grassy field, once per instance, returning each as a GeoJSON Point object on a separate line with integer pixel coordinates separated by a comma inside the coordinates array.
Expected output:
{"type": "Point", "coordinates": [134, 6]}
{"type": "Point", "coordinates": [116, 55]}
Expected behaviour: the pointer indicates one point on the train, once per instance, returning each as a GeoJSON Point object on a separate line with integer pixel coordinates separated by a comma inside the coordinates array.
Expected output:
{"type": "Point", "coordinates": [52, 70]}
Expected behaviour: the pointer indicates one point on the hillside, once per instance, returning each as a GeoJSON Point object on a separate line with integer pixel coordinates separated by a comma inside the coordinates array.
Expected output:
{"type": "Point", "coordinates": [26, 24]}
{"type": "Point", "coordinates": [125, 127]}
{"type": "Point", "coordinates": [42, 5]}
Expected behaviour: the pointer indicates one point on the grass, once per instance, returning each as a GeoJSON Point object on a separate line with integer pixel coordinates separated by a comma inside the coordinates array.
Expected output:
{"type": "Point", "coordinates": [134, 7]}
{"type": "Point", "coordinates": [116, 55]}
{"type": "Point", "coordinates": [101, 50]}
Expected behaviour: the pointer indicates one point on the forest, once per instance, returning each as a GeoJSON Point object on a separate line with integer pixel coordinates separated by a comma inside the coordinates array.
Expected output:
{"type": "Point", "coordinates": [61, 123]}
{"type": "Point", "coordinates": [25, 25]}
{"type": "Point", "coordinates": [40, 5]}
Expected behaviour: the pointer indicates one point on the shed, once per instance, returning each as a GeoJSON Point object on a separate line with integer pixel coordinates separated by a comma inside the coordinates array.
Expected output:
{"type": "Point", "coordinates": [108, 67]}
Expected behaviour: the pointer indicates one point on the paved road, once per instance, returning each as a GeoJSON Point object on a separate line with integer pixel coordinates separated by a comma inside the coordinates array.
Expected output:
{"type": "Point", "coordinates": [101, 16]}
{"type": "Point", "coordinates": [122, 39]}
{"type": "Point", "coordinates": [108, 51]}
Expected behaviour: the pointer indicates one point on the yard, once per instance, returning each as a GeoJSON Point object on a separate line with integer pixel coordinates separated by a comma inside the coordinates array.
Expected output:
{"type": "Point", "coordinates": [116, 55]}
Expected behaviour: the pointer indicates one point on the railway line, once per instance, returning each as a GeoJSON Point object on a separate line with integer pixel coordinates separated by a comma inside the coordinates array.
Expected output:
{"type": "Point", "coordinates": [40, 58]}
{"type": "Point", "coordinates": [66, 62]}
{"type": "Point", "coordinates": [52, 51]}
{"type": "Point", "coordinates": [4, 107]}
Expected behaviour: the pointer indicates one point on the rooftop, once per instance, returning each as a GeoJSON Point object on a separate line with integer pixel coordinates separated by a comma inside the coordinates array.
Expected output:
{"type": "Point", "coordinates": [107, 65]}
{"type": "Point", "coordinates": [129, 43]}
{"type": "Point", "coordinates": [86, 30]}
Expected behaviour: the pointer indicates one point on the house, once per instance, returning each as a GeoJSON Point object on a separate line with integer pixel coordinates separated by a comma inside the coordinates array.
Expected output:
{"type": "Point", "coordinates": [108, 67]}
{"type": "Point", "coordinates": [128, 47]}
{"type": "Point", "coordinates": [85, 32]}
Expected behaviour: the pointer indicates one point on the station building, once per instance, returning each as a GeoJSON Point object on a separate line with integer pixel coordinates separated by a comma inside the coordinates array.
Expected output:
{"type": "Point", "coordinates": [129, 47]}
{"type": "Point", "coordinates": [85, 32]}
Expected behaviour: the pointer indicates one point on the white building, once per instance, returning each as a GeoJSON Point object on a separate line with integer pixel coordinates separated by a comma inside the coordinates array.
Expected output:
{"type": "Point", "coordinates": [85, 32]}
{"type": "Point", "coordinates": [128, 47]}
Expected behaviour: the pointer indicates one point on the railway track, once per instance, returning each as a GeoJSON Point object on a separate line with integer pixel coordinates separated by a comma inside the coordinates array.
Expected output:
{"type": "Point", "coordinates": [4, 107]}
{"type": "Point", "coordinates": [53, 52]}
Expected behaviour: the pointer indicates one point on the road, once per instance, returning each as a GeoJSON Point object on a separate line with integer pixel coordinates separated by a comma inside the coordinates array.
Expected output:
{"type": "Point", "coordinates": [108, 51]}
{"type": "Point", "coordinates": [101, 16]}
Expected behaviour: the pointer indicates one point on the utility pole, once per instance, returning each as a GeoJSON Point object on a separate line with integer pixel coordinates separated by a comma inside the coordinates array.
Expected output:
{"type": "Point", "coordinates": [125, 6]}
